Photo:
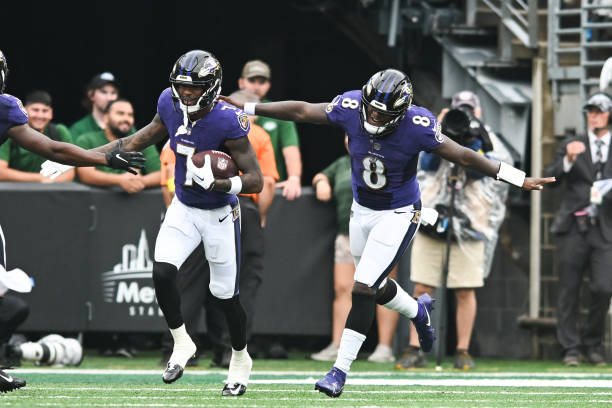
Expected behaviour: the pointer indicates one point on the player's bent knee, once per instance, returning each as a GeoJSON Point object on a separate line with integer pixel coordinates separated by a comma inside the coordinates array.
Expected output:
{"type": "Point", "coordinates": [360, 288]}
{"type": "Point", "coordinates": [164, 271]}
{"type": "Point", "coordinates": [221, 291]}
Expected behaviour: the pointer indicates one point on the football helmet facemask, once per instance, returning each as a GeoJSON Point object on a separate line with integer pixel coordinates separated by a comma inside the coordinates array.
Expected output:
{"type": "Point", "coordinates": [200, 69]}
{"type": "Point", "coordinates": [3, 71]}
{"type": "Point", "coordinates": [389, 93]}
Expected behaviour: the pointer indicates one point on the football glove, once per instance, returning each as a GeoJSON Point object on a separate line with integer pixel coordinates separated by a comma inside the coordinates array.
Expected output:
{"type": "Point", "coordinates": [202, 175]}
{"type": "Point", "coordinates": [122, 160]}
{"type": "Point", "coordinates": [53, 169]}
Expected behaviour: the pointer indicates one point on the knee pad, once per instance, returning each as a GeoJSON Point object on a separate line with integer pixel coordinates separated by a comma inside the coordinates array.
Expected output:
{"type": "Point", "coordinates": [164, 271]}
{"type": "Point", "coordinates": [387, 292]}
{"type": "Point", "coordinates": [363, 310]}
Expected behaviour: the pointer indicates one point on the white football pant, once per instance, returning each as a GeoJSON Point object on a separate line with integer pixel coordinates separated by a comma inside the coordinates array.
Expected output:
{"type": "Point", "coordinates": [185, 227]}
{"type": "Point", "coordinates": [378, 240]}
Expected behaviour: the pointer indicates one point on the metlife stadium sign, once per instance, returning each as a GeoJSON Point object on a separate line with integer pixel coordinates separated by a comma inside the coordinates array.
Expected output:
{"type": "Point", "coordinates": [130, 283]}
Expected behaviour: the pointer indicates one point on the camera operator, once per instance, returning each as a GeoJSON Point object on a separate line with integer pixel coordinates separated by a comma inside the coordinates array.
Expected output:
{"type": "Point", "coordinates": [478, 208]}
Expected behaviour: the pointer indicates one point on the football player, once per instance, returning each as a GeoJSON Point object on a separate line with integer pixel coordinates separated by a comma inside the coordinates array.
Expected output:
{"type": "Point", "coordinates": [14, 124]}
{"type": "Point", "coordinates": [386, 134]}
{"type": "Point", "coordinates": [204, 209]}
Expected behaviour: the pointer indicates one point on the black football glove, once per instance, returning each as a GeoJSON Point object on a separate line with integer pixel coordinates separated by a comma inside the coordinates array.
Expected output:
{"type": "Point", "coordinates": [121, 160]}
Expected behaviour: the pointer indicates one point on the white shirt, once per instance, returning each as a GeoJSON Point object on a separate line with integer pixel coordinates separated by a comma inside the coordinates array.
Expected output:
{"type": "Point", "coordinates": [605, 147]}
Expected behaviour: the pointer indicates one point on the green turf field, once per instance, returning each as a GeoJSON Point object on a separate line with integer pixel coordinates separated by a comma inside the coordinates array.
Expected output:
{"type": "Point", "coordinates": [116, 382]}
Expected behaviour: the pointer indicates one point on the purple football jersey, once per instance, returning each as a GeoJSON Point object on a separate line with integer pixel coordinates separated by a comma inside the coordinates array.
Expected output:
{"type": "Point", "coordinates": [12, 114]}
{"type": "Point", "coordinates": [384, 168]}
{"type": "Point", "coordinates": [223, 122]}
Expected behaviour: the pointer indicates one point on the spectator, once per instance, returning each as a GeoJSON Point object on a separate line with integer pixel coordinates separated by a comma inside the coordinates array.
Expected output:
{"type": "Point", "coordinates": [256, 78]}
{"type": "Point", "coordinates": [335, 183]}
{"type": "Point", "coordinates": [254, 208]}
{"type": "Point", "coordinates": [100, 90]}
{"type": "Point", "coordinates": [19, 164]}
{"type": "Point", "coordinates": [118, 123]}
{"type": "Point", "coordinates": [583, 225]}
{"type": "Point", "coordinates": [478, 213]}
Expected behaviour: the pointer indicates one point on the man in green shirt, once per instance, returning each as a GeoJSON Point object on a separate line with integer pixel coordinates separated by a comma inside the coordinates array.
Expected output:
{"type": "Point", "coordinates": [19, 164]}
{"type": "Point", "coordinates": [118, 121]}
{"type": "Point", "coordinates": [283, 134]}
{"type": "Point", "coordinates": [102, 89]}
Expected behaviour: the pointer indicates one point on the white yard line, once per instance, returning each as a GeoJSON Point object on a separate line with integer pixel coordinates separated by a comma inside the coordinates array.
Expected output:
{"type": "Point", "coordinates": [458, 382]}
{"type": "Point", "coordinates": [195, 388]}
{"type": "Point", "coordinates": [409, 379]}
{"type": "Point", "coordinates": [317, 373]}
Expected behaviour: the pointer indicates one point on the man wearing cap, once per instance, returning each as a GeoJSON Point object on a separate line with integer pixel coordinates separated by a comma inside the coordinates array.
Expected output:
{"type": "Point", "coordinates": [474, 229]}
{"type": "Point", "coordinates": [100, 90]}
{"type": "Point", "coordinates": [283, 134]}
{"type": "Point", "coordinates": [583, 225]}
{"type": "Point", "coordinates": [19, 164]}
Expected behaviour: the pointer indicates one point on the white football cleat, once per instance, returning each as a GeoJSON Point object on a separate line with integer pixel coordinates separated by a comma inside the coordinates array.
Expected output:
{"type": "Point", "coordinates": [239, 373]}
{"type": "Point", "coordinates": [181, 353]}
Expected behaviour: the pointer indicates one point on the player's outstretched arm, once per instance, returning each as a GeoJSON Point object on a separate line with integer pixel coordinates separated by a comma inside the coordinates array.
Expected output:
{"type": "Point", "coordinates": [70, 154]}
{"type": "Point", "coordinates": [295, 111]}
{"type": "Point", "coordinates": [251, 179]}
{"type": "Point", "coordinates": [150, 134]}
{"type": "Point", "coordinates": [452, 151]}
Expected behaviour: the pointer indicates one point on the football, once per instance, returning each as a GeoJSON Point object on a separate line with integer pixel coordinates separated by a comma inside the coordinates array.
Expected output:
{"type": "Point", "coordinates": [222, 164]}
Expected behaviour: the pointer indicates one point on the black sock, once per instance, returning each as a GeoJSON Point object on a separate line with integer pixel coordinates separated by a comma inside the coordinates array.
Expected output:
{"type": "Point", "coordinates": [362, 313]}
{"type": "Point", "coordinates": [167, 293]}
{"type": "Point", "coordinates": [236, 321]}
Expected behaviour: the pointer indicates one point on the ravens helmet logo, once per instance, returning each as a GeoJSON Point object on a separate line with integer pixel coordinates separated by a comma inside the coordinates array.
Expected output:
{"type": "Point", "coordinates": [210, 67]}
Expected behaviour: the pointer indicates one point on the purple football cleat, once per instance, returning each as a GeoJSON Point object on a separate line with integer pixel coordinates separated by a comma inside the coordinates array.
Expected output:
{"type": "Point", "coordinates": [422, 322]}
{"type": "Point", "coordinates": [333, 383]}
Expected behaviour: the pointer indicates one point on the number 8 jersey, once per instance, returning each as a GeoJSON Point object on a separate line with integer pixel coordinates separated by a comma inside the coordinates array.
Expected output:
{"type": "Point", "coordinates": [384, 168]}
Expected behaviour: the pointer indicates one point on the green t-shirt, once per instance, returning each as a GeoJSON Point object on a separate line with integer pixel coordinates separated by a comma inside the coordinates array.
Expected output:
{"type": "Point", "coordinates": [339, 175]}
{"type": "Point", "coordinates": [92, 140]}
{"type": "Point", "coordinates": [282, 134]}
{"type": "Point", "coordinates": [21, 159]}
{"type": "Point", "coordinates": [84, 125]}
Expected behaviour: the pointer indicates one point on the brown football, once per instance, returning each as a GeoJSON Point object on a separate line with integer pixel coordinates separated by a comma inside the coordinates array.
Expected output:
{"type": "Point", "coordinates": [222, 164]}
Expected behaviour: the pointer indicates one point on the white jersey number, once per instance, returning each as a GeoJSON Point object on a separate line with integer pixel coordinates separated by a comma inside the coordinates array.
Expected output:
{"type": "Point", "coordinates": [421, 120]}
{"type": "Point", "coordinates": [350, 103]}
{"type": "Point", "coordinates": [187, 151]}
{"type": "Point", "coordinates": [374, 173]}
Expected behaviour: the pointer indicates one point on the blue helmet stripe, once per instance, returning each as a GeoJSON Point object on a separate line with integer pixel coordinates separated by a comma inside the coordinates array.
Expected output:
{"type": "Point", "coordinates": [182, 67]}
{"type": "Point", "coordinates": [185, 66]}
{"type": "Point", "coordinates": [382, 89]}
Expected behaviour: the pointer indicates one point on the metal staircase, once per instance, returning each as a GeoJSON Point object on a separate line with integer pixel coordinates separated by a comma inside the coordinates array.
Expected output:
{"type": "Point", "coordinates": [577, 46]}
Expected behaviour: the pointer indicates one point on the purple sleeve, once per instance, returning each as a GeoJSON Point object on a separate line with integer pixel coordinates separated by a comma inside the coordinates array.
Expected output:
{"type": "Point", "coordinates": [427, 127]}
{"type": "Point", "coordinates": [237, 122]}
{"type": "Point", "coordinates": [17, 114]}
{"type": "Point", "coordinates": [342, 108]}
{"type": "Point", "coordinates": [334, 111]}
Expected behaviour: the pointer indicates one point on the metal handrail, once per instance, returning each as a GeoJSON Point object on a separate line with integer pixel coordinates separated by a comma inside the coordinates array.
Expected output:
{"type": "Point", "coordinates": [512, 14]}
